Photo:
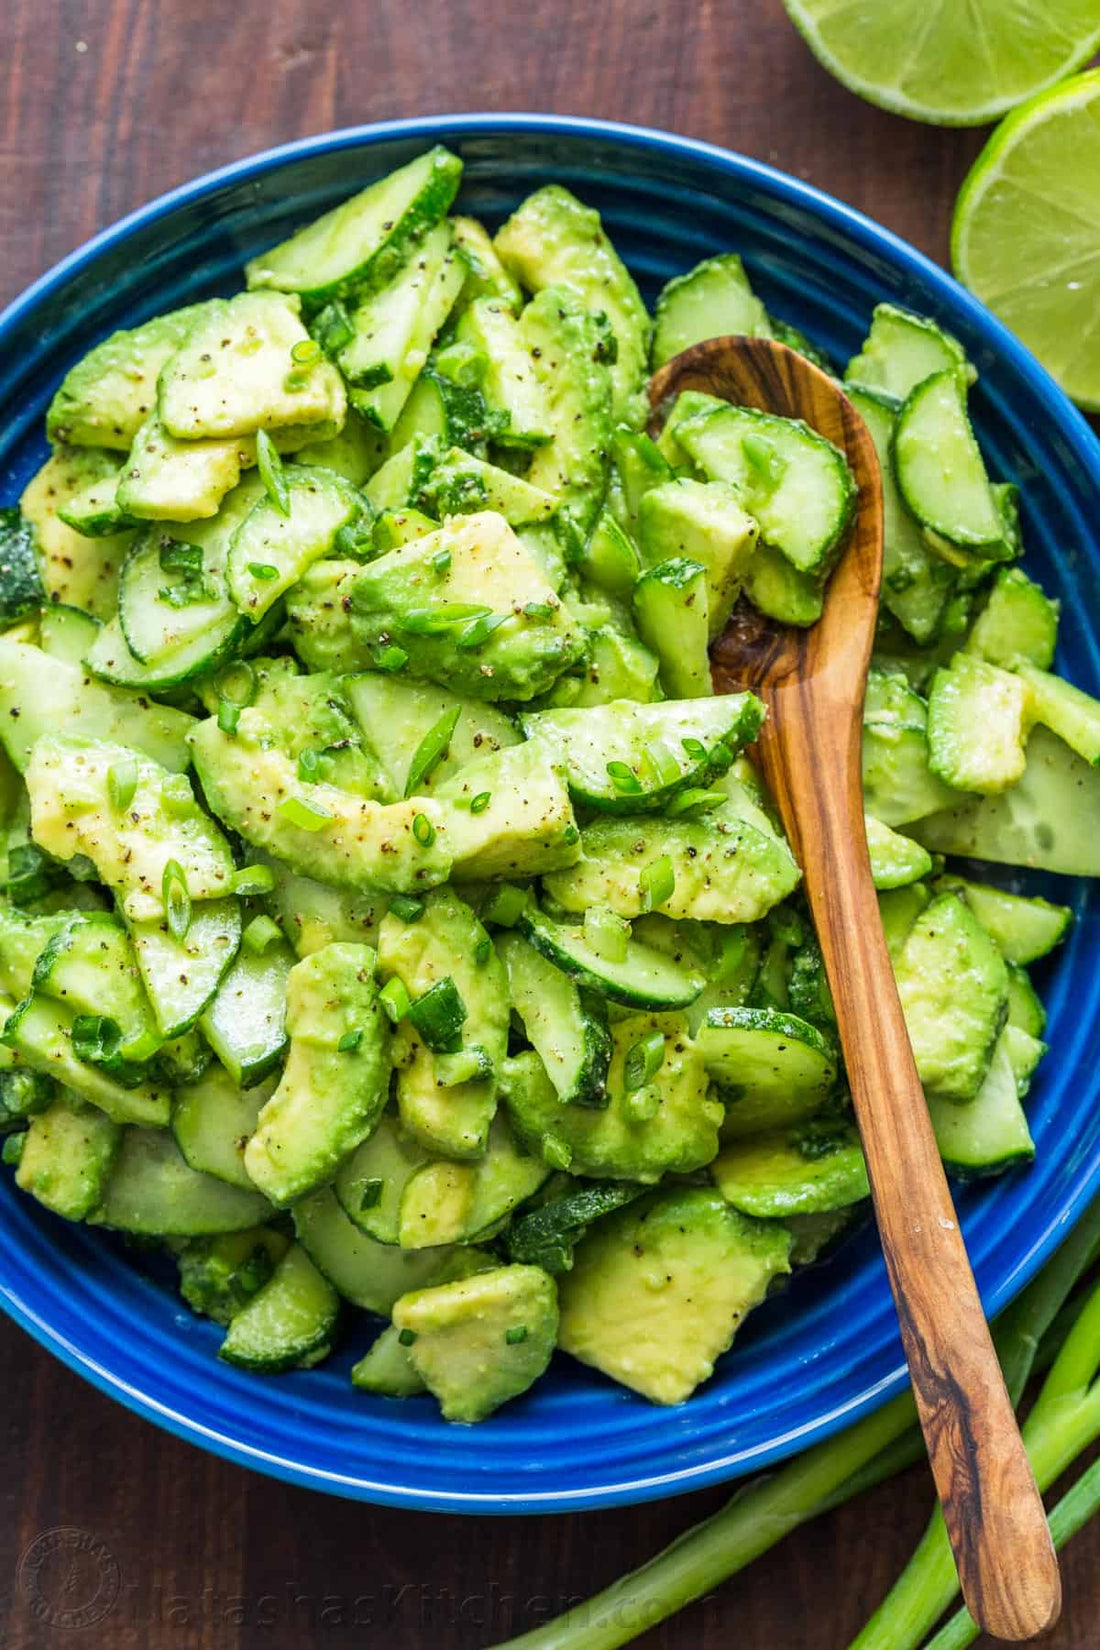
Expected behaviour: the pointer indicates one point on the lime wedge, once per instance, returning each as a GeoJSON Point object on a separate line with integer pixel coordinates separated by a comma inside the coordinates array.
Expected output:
{"type": "Point", "coordinates": [1026, 233]}
{"type": "Point", "coordinates": [949, 62]}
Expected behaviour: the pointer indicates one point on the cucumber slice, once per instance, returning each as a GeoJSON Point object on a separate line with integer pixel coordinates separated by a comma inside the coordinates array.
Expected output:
{"type": "Point", "coordinates": [94, 511]}
{"type": "Point", "coordinates": [978, 722]}
{"type": "Point", "coordinates": [902, 350]}
{"type": "Point", "coordinates": [111, 660]}
{"type": "Point", "coordinates": [371, 1275]}
{"type": "Point", "coordinates": [510, 386]}
{"type": "Point", "coordinates": [646, 978]}
{"type": "Point", "coordinates": [487, 276]}
{"type": "Point", "coordinates": [1074, 716]}
{"type": "Point", "coordinates": [671, 610]}
{"type": "Point", "coordinates": [805, 1171]}
{"type": "Point", "coordinates": [273, 548]}
{"type": "Point", "coordinates": [212, 1121]}
{"type": "Point", "coordinates": [953, 986]}
{"type": "Point", "coordinates": [610, 561]}
{"type": "Point", "coordinates": [1024, 1053]}
{"type": "Point", "coordinates": [990, 1134]}
{"type": "Point", "coordinates": [1018, 624]}
{"type": "Point", "coordinates": [445, 1202]}
{"type": "Point", "coordinates": [654, 752]}
{"type": "Point", "coordinates": [547, 1236]}
{"type": "Point", "coordinates": [66, 633]}
{"type": "Point", "coordinates": [182, 976]}
{"type": "Point", "coordinates": [780, 590]}
{"type": "Point", "coordinates": [1024, 929]}
{"type": "Point", "coordinates": [386, 1369]}
{"type": "Point", "coordinates": [371, 1182]}
{"type": "Point", "coordinates": [795, 483]}
{"type": "Point", "coordinates": [898, 784]}
{"type": "Point", "coordinates": [245, 1022]}
{"type": "Point", "coordinates": [1025, 1009]}
{"type": "Point", "coordinates": [460, 483]}
{"type": "Point", "coordinates": [939, 468]}
{"type": "Point", "coordinates": [713, 300]}
{"type": "Point", "coordinates": [1046, 822]}
{"type": "Point", "coordinates": [639, 465]}
{"type": "Point", "coordinates": [153, 1192]}
{"type": "Point", "coordinates": [41, 1032]}
{"type": "Point", "coordinates": [68, 1153]}
{"type": "Point", "coordinates": [361, 243]}
{"type": "Point", "coordinates": [89, 966]}
{"type": "Point", "coordinates": [773, 1068]}
{"type": "Point", "coordinates": [566, 1024]}
{"type": "Point", "coordinates": [289, 1323]}
{"type": "Point", "coordinates": [895, 859]}
{"type": "Point", "coordinates": [704, 521]}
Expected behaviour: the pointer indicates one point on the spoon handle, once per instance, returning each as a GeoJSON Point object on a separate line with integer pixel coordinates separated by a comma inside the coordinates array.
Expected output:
{"type": "Point", "coordinates": [995, 1519]}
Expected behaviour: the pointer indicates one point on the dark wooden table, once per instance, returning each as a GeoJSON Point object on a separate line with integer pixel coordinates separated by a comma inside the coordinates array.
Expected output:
{"type": "Point", "coordinates": [104, 104]}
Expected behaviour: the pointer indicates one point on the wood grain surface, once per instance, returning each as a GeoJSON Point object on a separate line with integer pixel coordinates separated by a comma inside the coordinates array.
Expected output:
{"type": "Point", "coordinates": [104, 104]}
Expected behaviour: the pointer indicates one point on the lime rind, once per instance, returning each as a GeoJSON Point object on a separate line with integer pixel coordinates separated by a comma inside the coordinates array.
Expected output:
{"type": "Point", "coordinates": [1025, 237]}
{"type": "Point", "coordinates": [948, 62]}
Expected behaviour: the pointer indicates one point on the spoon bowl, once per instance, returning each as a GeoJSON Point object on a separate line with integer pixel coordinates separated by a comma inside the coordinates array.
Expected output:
{"type": "Point", "coordinates": [813, 682]}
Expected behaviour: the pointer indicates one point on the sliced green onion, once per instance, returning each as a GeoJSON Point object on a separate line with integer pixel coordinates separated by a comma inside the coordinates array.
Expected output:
{"type": "Point", "coordinates": [305, 352]}
{"type": "Point", "coordinates": [483, 950]}
{"type": "Point", "coordinates": [607, 933]}
{"type": "Point", "coordinates": [571, 835]}
{"type": "Point", "coordinates": [405, 908]}
{"type": "Point", "coordinates": [695, 749]}
{"type": "Point", "coordinates": [272, 474]}
{"type": "Point", "coordinates": [505, 905]}
{"type": "Point", "coordinates": [423, 830]}
{"type": "Point", "coordinates": [371, 1194]}
{"type": "Point", "coordinates": [177, 901]}
{"type": "Point", "coordinates": [177, 557]}
{"type": "Point", "coordinates": [237, 683]}
{"type": "Point", "coordinates": [11, 1152]}
{"type": "Point", "coordinates": [392, 658]}
{"type": "Point", "coordinates": [538, 610]}
{"type": "Point", "coordinates": [252, 879]}
{"type": "Point", "coordinates": [556, 1152]}
{"type": "Point", "coordinates": [295, 381]}
{"type": "Point", "coordinates": [434, 621]}
{"type": "Point", "coordinates": [122, 783]}
{"type": "Point", "coordinates": [261, 932]}
{"type": "Point", "coordinates": [229, 715]}
{"type": "Point", "coordinates": [694, 798]}
{"type": "Point", "coordinates": [350, 1041]}
{"type": "Point", "coordinates": [462, 362]}
{"type": "Point", "coordinates": [642, 1105]}
{"type": "Point", "coordinates": [95, 1038]}
{"type": "Point", "coordinates": [312, 765]}
{"type": "Point", "coordinates": [431, 749]}
{"type": "Point", "coordinates": [441, 561]}
{"type": "Point", "coordinates": [763, 457]}
{"type": "Point", "coordinates": [333, 327]}
{"type": "Point", "coordinates": [395, 999]}
{"type": "Point", "coordinates": [644, 1060]}
{"type": "Point", "coordinates": [516, 1335]}
{"type": "Point", "coordinates": [407, 1337]}
{"type": "Point", "coordinates": [624, 779]}
{"type": "Point", "coordinates": [663, 763]}
{"type": "Point", "coordinates": [656, 883]}
{"type": "Point", "coordinates": [480, 802]}
{"type": "Point", "coordinates": [479, 630]}
{"type": "Point", "coordinates": [308, 816]}
{"type": "Point", "coordinates": [439, 1016]}
{"type": "Point", "coordinates": [263, 570]}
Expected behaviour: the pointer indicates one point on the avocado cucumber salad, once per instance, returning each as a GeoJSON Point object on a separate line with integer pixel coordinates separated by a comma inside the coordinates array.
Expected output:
{"type": "Point", "coordinates": [394, 925]}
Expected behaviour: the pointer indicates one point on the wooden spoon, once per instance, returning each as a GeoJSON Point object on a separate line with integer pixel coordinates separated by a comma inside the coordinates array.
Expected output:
{"type": "Point", "coordinates": [813, 683]}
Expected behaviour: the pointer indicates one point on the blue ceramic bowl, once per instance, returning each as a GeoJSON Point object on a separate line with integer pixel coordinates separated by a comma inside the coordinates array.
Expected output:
{"type": "Point", "coordinates": [827, 1350]}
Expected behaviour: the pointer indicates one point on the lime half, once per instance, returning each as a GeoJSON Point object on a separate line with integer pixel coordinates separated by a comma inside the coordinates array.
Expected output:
{"type": "Point", "coordinates": [1026, 234]}
{"type": "Point", "coordinates": [950, 62]}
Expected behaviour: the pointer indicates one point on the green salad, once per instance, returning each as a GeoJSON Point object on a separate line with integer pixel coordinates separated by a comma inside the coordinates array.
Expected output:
{"type": "Point", "coordinates": [393, 921]}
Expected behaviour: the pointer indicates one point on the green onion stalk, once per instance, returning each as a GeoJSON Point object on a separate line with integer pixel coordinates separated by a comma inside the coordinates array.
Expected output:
{"type": "Point", "coordinates": [769, 1508]}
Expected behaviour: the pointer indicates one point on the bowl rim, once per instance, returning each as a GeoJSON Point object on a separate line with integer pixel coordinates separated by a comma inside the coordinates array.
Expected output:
{"type": "Point", "coordinates": [1048, 397]}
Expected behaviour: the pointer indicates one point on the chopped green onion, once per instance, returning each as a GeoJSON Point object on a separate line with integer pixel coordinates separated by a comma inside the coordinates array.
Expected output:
{"type": "Point", "coordinates": [252, 879]}
{"type": "Point", "coordinates": [769, 464]}
{"type": "Point", "coordinates": [505, 905]}
{"type": "Point", "coordinates": [624, 779]}
{"type": "Point", "coordinates": [462, 362]}
{"type": "Point", "coordinates": [395, 999]}
{"type": "Point", "coordinates": [571, 835]}
{"type": "Point", "coordinates": [28, 872]}
{"type": "Point", "coordinates": [333, 327]}
{"type": "Point", "coordinates": [392, 658]}
{"type": "Point", "coordinates": [479, 630]}
{"type": "Point", "coordinates": [694, 798]}
{"type": "Point", "coordinates": [122, 783]}
{"type": "Point", "coordinates": [480, 802]}
{"type": "Point", "coordinates": [229, 715]}
{"type": "Point", "coordinates": [305, 352]}
{"type": "Point", "coordinates": [95, 1038]}
{"type": "Point", "coordinates": [469, 1065]}
{"type": "Point", "coordinates": [263, 570]}
{"type": "Point", "coordinates": [644, 1060]}
{"type": "Point", "coordinates": [556, 1152]}
{"type": "Point", "coordinates": [642, 1105]}
{"type": "Point", "coordinates": [432, 748]}
{"type": "Point", "coordinates": [656, 883]}
{"type": "Point", "coordinates": [695, 749]}
{"type": "Point", "coordinates": [423, 830]}
{"type": "Point", "coordinates": [272, 474]}
{"type": "Point", "coordinates": [314, 767]}
{"type": "Point", "coordinates": [177, 557]}
{"type": "Point", "coordinates": [439, 1015]}
{"type": "Point", "coordinates": [441, 561]}
{"type": "Point", "coordinates": [176, 796]}
{"type": "Point", "coordinates": [405, 908]}
{"type": "Point", "coordinates": [237, 683]}
{"type": "Point", "coordinates": [177, 901]}
{"type": "Point", "coordinates": [261, 932]}
{"type": "Point", "coordinates": [11, 1152]}
{"type": "Point", "coordinates": [370, 1195]}
{"type": "Point", "coordinates": [295, 381]}
{"type": "Point", "coordinates": [607, 933]}
{"type": "Point", "coordinates": [407, 1337]}
{"type": "Point", "coordinates": [663, 763]}
{"type": "Point", "coordinates": [538, 610]}
{"type": "Point", "coordinates": [483, 950]}
{"type": "Point", "coordinates": [516, 1335]}
{"type": "Point", "coordinates": [308, 816]}
{"type": "Point", "coordinates": [350, 1041]}
{"type": "Point", "coordinates": [436, 621]}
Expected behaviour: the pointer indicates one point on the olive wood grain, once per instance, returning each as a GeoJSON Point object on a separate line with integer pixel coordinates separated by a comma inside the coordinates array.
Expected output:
{"type": "Point", "coordinates": [813, 683]}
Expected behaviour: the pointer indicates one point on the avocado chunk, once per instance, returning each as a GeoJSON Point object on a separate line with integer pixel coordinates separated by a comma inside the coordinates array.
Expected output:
{"type": "Point", "coordinates": [68, 1153]}
{"type": "Point", "coordinates": [310, 720]}
{"type": "Point", "coordinates": [563, 345]}
{"type": "Point", "coordinates": [509, 815]}
{"type": "Point", "coordinates": [319, 830]}
{"type": "Point", "coordinates": [704, 521]}
{"type": "Point", "coordinates": [445, 943]}
{"type": "Point", "coordinates": [895, 859]}
{"type": "Point", "coordinates": [219, 1275]}
{"type": "Point", "coordinates": [77, 571]}
{"type": "Point", "coordinates": [953, 986]}
{"type": "Point", "coordinates": [336, 1079]}
{"type": "Point", "coordinates": [396, 716]}
{"type": "Point", "coordinates": [978, 721]}
{"type": "Point", "coordinates": [106, 397]}
{"type": "Point", "coordinates": [668, 1126]}
{"type": "Point", "coordinates": [659, 1289]}
{"type": "Point", "coordinates": [482, 1340]}
{"type": "Point", "coordinates": [470, 608]}
{"type": "Point", "coordinates": [165, 479]}
{"type": "Point", "coordinates": [69, 783]}
{"type": "Point", "coordinates": [552, 240]}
